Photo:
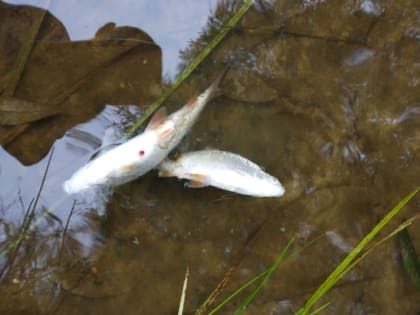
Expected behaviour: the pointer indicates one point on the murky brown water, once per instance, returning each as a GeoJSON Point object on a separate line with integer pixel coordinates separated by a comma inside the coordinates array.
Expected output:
{"type": "Point", "coordinates": [324, 96]}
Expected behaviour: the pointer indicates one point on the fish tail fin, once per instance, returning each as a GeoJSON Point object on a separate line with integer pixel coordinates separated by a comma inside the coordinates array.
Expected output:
{"type": "Point", "coordinates": [215, 86]}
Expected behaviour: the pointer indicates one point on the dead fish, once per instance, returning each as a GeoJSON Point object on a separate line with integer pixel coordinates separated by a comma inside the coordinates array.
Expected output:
{"type": "Point", "coordinates": [137, 156]}
{"type": "Point", "coordinates": [223, 170]}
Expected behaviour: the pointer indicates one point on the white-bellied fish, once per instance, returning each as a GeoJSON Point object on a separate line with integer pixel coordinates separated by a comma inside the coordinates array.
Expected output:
{"type": "Point", "coordinates": [142, 153]}
{"type": "Point", "coordinates": [224, 170]}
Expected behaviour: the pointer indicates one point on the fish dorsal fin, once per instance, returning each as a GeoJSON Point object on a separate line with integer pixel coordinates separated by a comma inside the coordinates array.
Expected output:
{"type": "Point", "coordinates": [157, 119]}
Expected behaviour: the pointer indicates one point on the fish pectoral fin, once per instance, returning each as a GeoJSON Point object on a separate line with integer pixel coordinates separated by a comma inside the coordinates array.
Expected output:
{"type": "Point", "coordinates": [196, 181]}
{"type": "Point", "coordinates": [157, 119]}
{"type": "Point", "coordinates": [166, 174]}
{"type": "Point", "coordinates": [165, 132]}
{"type": "Point", "coordinates": [194, 184]}
{"type": "Point", "coordinates": [126, 169]}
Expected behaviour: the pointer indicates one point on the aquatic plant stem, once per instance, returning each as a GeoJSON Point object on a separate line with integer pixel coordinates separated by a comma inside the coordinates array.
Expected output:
{"type": "Point", "coordinates": [191, 67]}
{"type": "Point", "coordinates": [239, 257]}
{"type": "Point", "coordinates": [27, 221]}
{"type": "Point", "coordinates": [277, 262]}
{"type": "Point", "coordinates": [65, 231]}
{"type": "Point", "coordinates": [239, 290]}
{"type": "Point", "coordinates": [265, 275]}
{"type": "Point", "coordinates": [403, 226]}
{"type": "Point", "coordinates": [231, 296]}
{"type": "Point", "coordinates": [320, 309]}
{"type": "Point", "coordinates": [343, 267]}
{"type": "Point", "coordinates": [409, 256]}
{"type": "Point", "coordinates": [14, 245]}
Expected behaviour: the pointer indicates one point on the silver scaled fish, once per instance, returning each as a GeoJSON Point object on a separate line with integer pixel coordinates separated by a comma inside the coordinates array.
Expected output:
{"type": "Point", "coordinates": [223, 170]}
{"type": "Point", "coordinates": [143, 152]}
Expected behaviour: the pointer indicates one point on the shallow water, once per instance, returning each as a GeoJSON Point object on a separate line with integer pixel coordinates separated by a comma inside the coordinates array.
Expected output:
{"type": "Point", "coordinates": [324, 96]}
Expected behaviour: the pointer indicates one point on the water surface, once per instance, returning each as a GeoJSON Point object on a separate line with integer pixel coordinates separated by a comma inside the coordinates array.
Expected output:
{"type": "Point", "coordinates": [324, 96]}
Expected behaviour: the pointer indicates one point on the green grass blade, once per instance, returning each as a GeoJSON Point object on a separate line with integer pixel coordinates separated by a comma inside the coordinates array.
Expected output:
{"type": "Point", "coordinates": [319, 309]}
{"type": "Point", "coordinates": [239, 290]}
{"type": "Point", "coordinates": [250, 282]}
{"type": "Point", "coordinates": [342, 268]}
{"type": "Point", "coordinates": [401, 227]}
{"type": "Point", "coordinates": [277, 262]}
{"type": "Point", "coordinates": [184, 290]}
{"type": "Point", "coordinates": [191, 67]}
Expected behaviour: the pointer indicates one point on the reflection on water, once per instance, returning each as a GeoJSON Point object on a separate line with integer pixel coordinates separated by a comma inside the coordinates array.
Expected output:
{"type": "Point", "coordinates": [170, 23]}
{"type": "Point", "coordinates": [324, 96]}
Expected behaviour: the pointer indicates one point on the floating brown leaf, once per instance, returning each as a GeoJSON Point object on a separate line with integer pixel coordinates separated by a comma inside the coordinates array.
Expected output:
{"type": "Point", "coordinates": [65, 83]}
{"type": "Point", "coordinates": [14, 111]}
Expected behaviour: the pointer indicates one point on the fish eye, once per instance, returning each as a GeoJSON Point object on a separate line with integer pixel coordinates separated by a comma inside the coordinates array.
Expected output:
{"type": "Point", "coordinates": [141, 152]}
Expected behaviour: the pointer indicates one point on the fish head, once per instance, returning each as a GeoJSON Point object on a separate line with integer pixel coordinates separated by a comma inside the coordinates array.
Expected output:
{"type": "Point", "coordinates": [136, 157]}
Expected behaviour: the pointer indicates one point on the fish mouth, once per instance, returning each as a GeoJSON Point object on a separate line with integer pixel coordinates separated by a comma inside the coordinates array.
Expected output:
{"type": "Point", "coordinates": [276, 190]}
